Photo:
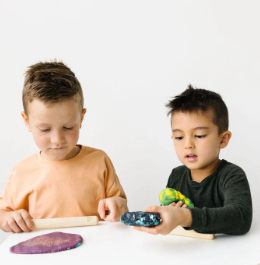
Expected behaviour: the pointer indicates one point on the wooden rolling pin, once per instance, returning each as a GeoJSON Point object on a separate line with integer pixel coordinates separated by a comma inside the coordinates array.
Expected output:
{"type": "Point", "coordinates": [64, 222]}
{"type": "Point", "coordinates": [180, 231]}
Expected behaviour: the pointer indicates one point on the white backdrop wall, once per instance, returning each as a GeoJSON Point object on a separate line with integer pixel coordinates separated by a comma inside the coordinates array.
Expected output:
{"type": "Point", "coordinates": [131, 57]}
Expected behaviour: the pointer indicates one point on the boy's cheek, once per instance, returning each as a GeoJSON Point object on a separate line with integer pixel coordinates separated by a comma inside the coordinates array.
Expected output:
{"type": "Point", "coordinates": [209, 149]}
{"type": "Point", "coordinates": [179, 152]}
{"type": "Point", "coordinates": [40, 140]}
{"type": "Point", "coordinates": [74, 134]}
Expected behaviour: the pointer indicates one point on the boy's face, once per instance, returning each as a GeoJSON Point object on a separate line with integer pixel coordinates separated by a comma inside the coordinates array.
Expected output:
{"type": "Point", "coordinates": [55, 128]}
{"type": "Point", "coordinates": [196, 139]}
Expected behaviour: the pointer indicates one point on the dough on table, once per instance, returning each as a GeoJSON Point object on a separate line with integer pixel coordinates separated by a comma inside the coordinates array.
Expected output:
{"type": "Point", "coordinates": [48, 243]}
{"type": "Point", "coordinates": [141, 219]}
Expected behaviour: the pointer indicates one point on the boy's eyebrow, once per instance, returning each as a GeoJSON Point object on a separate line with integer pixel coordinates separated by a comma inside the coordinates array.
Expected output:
{"type": "Point", "coordinates": [176, 130]}
{"type": "Point", "coordinates": [201, 128]}
{"type": "Point", "coordinates": [42, 124]}
{"type": "Point", "coordinates": [196, 128]}
{"type": "Point", "coordinates": [45, 124]}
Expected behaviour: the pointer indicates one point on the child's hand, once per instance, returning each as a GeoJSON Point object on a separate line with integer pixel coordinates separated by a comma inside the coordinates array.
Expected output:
{"type": "Point", "coordinates": [17, 221]}
{"type": "Point", "coordinates": [171, 218]}
{"type": "Point", "coordinates": [178, 204]}
{"type": "Point", "coordinates": [116, 207]}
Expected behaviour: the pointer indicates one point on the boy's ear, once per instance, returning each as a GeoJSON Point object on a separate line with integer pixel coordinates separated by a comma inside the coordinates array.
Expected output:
{"type": "Point", "coordinates": [26, 121]}
{"type": "Point", "coordinates": [225, 137]}
{"type": "Point", "coordinates": [82, 116]}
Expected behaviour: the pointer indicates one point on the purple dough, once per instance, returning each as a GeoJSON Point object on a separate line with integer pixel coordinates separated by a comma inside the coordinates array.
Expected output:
{"type": "Point", "coordinates": [52, 242]}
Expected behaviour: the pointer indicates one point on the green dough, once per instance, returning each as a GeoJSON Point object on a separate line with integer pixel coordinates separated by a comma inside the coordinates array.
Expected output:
{"type": "Point", "coordinates": [169, 195]}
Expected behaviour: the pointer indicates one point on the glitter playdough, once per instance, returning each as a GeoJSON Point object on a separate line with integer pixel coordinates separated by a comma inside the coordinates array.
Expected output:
{"type": "Point", "coordinates": [140, 219]}
{"type": "Point", "coordinates": [52, 242]}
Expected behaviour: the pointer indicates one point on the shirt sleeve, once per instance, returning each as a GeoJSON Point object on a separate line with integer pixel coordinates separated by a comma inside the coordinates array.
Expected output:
{"type": "Point", "coordinates": [112, 183]}
{"type": "Point", "coordinates": [6, 200]}
{"type": "Point", "coordinates": [235, 217]}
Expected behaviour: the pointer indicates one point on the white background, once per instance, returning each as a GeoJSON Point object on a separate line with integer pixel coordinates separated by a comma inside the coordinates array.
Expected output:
{"type": "Point", "coordinates": [131, 57]}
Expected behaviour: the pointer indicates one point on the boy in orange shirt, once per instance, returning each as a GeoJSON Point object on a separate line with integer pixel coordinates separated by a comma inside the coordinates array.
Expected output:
{"type": "Point", "coordinates": [64, 179]}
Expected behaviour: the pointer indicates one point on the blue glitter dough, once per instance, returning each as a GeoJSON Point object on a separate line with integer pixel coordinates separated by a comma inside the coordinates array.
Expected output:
{"type": "Point", "coordinates": [140, 219]}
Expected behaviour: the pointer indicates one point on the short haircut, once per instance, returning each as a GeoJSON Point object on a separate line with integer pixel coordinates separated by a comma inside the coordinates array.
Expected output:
{"type": "Point", "coordinates": [51, 82]}
{"type": "Point", "coordinates": [197, 99]}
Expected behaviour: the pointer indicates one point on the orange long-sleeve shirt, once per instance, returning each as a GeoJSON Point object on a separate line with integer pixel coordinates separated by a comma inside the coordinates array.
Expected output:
{"type": "Point", "coordinates": [73, 187]}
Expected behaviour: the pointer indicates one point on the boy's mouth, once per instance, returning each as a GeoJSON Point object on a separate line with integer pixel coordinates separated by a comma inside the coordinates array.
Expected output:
{"type": "Point", "coordinates": [191, 157]}
{"type": "Point", "coordinates": [57, 148]}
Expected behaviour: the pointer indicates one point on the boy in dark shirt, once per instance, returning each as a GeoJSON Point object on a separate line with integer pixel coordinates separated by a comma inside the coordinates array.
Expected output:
{"type": "Point", "coordinates": [218, 189]}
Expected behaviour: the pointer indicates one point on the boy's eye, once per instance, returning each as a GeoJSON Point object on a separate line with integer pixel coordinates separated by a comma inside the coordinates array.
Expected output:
{"type": "Point", "coordinates": [45, 130]}
{"type": "Point", "coordinates": [200, 136]}
{"type": "Point", "coordinates": [66, 128]}
{"type": "Point", "coordinates": [179, 138]}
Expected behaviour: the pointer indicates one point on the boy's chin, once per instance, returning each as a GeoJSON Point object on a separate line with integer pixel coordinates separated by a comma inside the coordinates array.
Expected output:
{"type": "Point", "coordinates": [54, 157]}
{"type": "Point", "coordinates": [191, 166]}
{"type": "Point", "coordinates": [198, 165]}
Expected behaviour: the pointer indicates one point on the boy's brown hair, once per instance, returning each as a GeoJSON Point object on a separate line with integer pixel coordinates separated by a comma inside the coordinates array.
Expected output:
{"type": "Point", "coordinates": [51, 82]}
{"type": "Point", "coordinates": [198, 99]}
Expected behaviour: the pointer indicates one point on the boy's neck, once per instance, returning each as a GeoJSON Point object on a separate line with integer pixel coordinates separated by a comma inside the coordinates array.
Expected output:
{"type": "Point", "coordinates": [198, 175]}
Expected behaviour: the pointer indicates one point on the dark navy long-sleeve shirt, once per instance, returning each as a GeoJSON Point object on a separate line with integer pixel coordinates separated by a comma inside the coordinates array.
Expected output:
{"type": "Point", "coordinates": [222, 200]}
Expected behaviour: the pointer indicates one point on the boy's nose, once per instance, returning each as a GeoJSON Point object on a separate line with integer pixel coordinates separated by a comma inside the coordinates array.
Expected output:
{"type": "Point", "coordinates": [57, 138]}
{"type": "Point", "coordinates": [189, 144]}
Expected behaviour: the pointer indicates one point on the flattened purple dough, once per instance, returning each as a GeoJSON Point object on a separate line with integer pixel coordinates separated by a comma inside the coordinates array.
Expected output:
{"type": "Point", "coordinates": [52, 242]}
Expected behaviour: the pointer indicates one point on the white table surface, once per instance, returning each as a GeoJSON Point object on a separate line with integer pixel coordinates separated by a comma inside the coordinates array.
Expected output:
{"type": "Point", "coordinates": [115, 243]}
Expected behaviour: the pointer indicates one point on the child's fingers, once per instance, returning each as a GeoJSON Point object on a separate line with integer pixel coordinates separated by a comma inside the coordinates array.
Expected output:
{"type": "Point", "coordinates": [179, 204]}
{"type": "Point", "coordinates": [113, 213]}
{"type": "Point", "coordinates": [20, 222]}
{"type": "Point", "coordinates": [110, 207]}
{"type": "Point", "coordinates": [102, 208]}
{"type": "Point", "coordinates": [153, 209]}
{"type": "Point", "coordinates": [27, 220]}
{"type": "Point", "coordinates": [112, 217]}
{"type": "Point", "coordinates": [149, 230]}
{"type": "Point", "coordinates": [13, 225]}
{"type": "Point", "coordinates": [138, 228]}
{"type": "Point", "coordinates": [7, 228]}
